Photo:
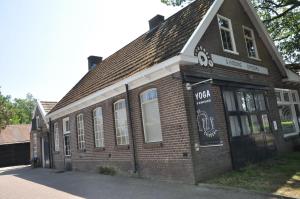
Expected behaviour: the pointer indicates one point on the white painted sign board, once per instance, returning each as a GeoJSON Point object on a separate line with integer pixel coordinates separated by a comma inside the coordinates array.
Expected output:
{"type": "Point", "coordinates": [239, 64]}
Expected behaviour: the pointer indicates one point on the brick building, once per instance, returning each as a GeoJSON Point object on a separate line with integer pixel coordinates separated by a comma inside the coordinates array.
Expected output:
{"type": "Point", "coordinates": [200, 93]}
{"type": "Point", "coordinates": [39, 135]}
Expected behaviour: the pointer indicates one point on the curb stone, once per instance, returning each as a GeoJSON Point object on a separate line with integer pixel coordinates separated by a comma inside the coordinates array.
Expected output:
{"type": "Point", "coordinates": [242, 190]}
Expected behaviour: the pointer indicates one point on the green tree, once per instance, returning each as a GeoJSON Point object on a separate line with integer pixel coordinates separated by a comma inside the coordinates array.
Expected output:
{"type": "Point", "coordinates": [22, 110]}
{"type": "Point", "coordinates": [5, 110]}
{"type": "Point", "coordinates": [18, 111]}
{"type": "Point", "coordinates": [281, 18]}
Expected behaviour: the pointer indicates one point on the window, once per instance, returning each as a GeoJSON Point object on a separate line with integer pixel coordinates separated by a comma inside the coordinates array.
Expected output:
{"type": "Point", "coordinates": [246, 111]}
{"type": "Point", "coordinates": [151, 116]}
{"type": "Point", "coordinates": [37, 120]}
{"type": "Point", "coordinates": [121, 122]}
{"type": "Point", "coordinates": [80, 132]}
{"type": "Point", "coordinates": [66, 125]}
{"type": "Point", "coordinates": [229, 100]}
{"type": "Point", "coordinates": [67, 145]}
{"type": "Point", "coordinates": [56, 137]}
{"type": "Point", "coordinates": [98, 127]}
{"type": "Point", "coordinates": [226, 34]}
{"type": "Point", "coordinates": [288, 107]}
{"type": "Point", "coordinates": [35, 145]}
{"type": "Point", "coordinates": [250, 42]}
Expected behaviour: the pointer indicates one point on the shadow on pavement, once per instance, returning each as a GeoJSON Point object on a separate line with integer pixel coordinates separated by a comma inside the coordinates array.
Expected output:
{"type": "Point", "coordinates": [93, 185]}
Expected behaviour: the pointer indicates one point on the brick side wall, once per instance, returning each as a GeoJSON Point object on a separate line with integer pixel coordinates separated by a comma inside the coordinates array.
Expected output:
{"type": "Point", "coordinates": [42, 132]}
{"type": "Point", "coordinates": [169, 160]}
{"type": "Point", "coordinates": [210, 161]}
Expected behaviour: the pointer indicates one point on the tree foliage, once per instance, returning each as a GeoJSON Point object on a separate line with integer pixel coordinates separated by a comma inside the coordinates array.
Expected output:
{"type": "Point", "coordinates": [281, 18]}
{"type": "Point", "coordinates": [5, 110]}
{"type": "Point", "coordinates": [17, 111]}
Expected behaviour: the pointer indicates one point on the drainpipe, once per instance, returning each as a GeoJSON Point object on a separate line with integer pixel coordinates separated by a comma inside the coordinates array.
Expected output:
{"type": "Point", "coordinates": [135, 164]}
{"type": "Point", "coordinates": [50, 144]}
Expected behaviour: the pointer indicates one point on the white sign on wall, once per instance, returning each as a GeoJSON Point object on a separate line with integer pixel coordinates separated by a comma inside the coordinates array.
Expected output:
{"type": "Point", "coordinates": [239, 64]}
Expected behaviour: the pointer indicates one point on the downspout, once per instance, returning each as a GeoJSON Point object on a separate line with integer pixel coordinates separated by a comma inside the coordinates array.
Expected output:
{"type": "Point", "coordinates": [135, 164]}
{"type": "Point", "coordinates": [50, 144]}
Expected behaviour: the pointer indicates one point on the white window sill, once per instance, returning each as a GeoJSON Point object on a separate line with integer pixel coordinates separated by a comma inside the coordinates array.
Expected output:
{"type": "Point", "coordinates": [255, 58]}
{"type": "Point", "coordinates": [232, 52]}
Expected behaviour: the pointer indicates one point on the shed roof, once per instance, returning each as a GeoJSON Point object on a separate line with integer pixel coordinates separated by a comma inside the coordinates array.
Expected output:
{"type": "Point", "coordinates": [14, 134]}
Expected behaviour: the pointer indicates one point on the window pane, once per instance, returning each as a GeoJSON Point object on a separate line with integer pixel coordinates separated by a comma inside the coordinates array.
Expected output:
{"type": "Point", "coordinates": [278, 96]}
{"type": "Point", "coordinates": [247, 33]}
{"type": "Point", "coordinates": [255, 124]}
{"type": "Point", "coordinates": [241, 101]}
{"type": "Point", "coordinates": [250, 102]}
{"type": "Point", "coordinates": [266, 124]}
{"type": "Point", "coordinates": [245, 125]}
{"type": "Point", "coordinates": [234, 126]}
{"type": "Point", "coordinates": [229, 100]}
{"type": "Point", "coordinates": [151, 116]}
{"type": "Point", "coordinates": [121, 123]}
{"type": "Point", "coordinates": [226, 39]}
{"type": "Point", "coordinates": [80, 131]}
{"type": "Point", "coordinates": [56, 137]}
{"type": "Point", "coordinates": [250, 48]}
{"type": "Point", "coordinates": [286, 116]}
{"type": "Point", "coordinates": [260, 102]}
{"type": "Point", "coordinates": [98, 127]}
{"type": "Point", "coordinates": [223, 23]}
{"type": "Point", "coordinates": [286, 97]}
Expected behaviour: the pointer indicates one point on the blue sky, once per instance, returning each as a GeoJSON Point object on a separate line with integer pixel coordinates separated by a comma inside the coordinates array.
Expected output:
{"type": "Point", "coordinates": [45, 43]}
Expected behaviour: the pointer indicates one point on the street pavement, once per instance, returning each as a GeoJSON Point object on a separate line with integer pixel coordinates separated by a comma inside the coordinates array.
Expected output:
{"type": "Point", "coordinates": [23, 182]}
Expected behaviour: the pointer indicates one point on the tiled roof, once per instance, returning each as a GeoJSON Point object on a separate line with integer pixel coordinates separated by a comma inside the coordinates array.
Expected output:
{"type": "Point", "coordinates": [47, 106]}
{"type": "Point", "coordinates": [155, 46]}
{"type": "Point", "coordinates": [15, 134]}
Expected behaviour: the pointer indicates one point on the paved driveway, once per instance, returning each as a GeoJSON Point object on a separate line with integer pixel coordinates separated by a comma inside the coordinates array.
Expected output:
{"type": "Point", "coordinates": [24, 182]}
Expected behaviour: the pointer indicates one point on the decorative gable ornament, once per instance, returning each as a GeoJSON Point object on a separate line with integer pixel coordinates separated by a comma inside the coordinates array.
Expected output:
{"type": "Point", "coordinates": [204, 58]}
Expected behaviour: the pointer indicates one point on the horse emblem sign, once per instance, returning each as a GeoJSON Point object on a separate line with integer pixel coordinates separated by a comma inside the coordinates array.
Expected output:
{"type": "Point", "coordinates": [206, 117]}
{"type": "Point", "coordinates": [204, 58]}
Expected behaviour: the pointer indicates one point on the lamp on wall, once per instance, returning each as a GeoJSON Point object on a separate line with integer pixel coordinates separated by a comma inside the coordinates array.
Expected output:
{"type": "Point", "coordinates": [189, 86]}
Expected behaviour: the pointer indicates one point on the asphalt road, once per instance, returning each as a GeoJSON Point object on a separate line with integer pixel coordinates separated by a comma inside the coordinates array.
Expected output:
{"type": "Point", "coordinates": [25, 182]}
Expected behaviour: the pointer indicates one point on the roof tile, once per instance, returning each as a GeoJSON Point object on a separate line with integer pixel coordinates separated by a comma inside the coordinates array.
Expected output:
{"type": "Point", "coordinates": [155, 46]}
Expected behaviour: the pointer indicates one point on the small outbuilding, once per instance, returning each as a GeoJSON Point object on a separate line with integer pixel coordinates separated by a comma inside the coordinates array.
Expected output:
{"type": "Point", "coordinates": [15, 145]}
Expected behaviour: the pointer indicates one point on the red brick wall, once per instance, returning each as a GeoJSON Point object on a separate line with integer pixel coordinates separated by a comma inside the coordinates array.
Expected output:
{"type": "Point", "coordinates": [164, 160]}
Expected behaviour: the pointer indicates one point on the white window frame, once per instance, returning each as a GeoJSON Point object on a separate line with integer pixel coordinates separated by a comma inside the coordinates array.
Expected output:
{"type": "Point", "coordinates": [56, 137]}
{"type": "Point", "coordinates": [35, 155]}
{"type": "Point", "coordinates": [65, 130]}
{"type": "Point", "coordinates": [234, 51]}
{"type": "Point", "coordinates": [290, 103]}
{"type": "Point", "coordinates": [252, 38]}
{"type": "Point", "coordinates": [123, 128]}
{"type": "Point", "coordinates": [37, 122]}
{"type": "Point", "coordinates": [143, 116]}
{"type": "Point", "coordinates": [98, 128]}
{"type": "Point", "coordinates": [80, 131]}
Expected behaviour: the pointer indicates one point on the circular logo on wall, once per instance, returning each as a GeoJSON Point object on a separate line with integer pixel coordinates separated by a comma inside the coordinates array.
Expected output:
{"type": "Point", "coordinates": [204, 58]}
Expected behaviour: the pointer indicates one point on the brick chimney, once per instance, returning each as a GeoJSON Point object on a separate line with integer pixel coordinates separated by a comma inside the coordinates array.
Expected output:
{"type": "Point", "coordinates": [93, 61]}
{"type": "Point", "coordinates": [156, 21]}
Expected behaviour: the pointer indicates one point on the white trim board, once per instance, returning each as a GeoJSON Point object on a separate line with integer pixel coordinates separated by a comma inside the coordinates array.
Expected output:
{"type": "Point", "coordinates": [141, 78]}
{"type": "Point", "coordinates": [237, 64]}
{"type": "Point", "coordinates": [41, 110]}
{"type": "Point", "coordinates": [190, 46]}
